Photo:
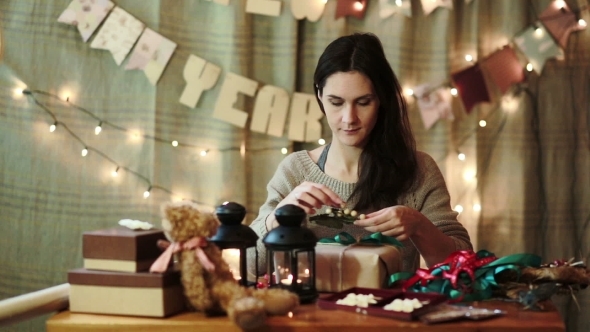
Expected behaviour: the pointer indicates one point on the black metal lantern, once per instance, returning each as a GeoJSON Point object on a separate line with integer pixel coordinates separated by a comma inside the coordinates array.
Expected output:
{"type": "Point", "coordinates": [290, 254]}
{"type": "Point", "coordinates": [235, 239]}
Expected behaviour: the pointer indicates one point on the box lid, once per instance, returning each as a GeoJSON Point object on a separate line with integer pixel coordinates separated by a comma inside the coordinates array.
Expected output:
{"type": "Point", "coordinates": [122, 243]}
{"type": "Point", "coordinates": [123, 279]}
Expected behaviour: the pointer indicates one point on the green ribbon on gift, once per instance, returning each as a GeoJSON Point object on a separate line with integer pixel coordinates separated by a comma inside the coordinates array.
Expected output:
{"type": "Point", "coordinates": [482, 285]}
{"type": "Point", "coordinates": [346, 239]}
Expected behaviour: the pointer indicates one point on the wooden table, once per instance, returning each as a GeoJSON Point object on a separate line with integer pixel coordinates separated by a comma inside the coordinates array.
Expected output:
{"type": "Point", "coordinates": [311, 318]}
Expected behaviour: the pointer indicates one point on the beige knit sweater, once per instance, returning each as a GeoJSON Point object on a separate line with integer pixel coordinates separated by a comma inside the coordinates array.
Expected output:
{"type": "Point", "coordinates": [429, 195]}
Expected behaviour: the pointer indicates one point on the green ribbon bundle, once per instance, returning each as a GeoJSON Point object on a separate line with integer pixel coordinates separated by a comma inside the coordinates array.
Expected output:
{"type": "Point", "coordinates": [482, 285]}
{"type": "Point", "coordinates": [345, 239]}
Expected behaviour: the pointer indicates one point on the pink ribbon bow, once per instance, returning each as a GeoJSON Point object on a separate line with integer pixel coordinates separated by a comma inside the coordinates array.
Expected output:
{"type": "Point", "coordinates": [196, 243]}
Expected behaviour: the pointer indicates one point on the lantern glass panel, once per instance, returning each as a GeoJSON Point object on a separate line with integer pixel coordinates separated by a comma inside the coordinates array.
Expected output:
{"type": "Point", "coordinates": [237, 267]}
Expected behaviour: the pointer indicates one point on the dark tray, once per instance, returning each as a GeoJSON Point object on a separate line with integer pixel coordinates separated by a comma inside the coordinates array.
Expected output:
{"type": "Point", "coordinates": [386, 296]}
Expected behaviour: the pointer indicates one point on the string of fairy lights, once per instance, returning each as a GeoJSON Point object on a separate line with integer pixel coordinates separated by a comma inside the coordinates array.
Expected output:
{"type": "Point", "coordinates": [118, 167]}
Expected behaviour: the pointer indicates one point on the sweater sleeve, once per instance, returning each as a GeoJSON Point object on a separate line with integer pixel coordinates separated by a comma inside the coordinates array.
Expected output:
{"type": "Point", "coordinates": [288, 175]}
{"type": "Point", "coordinates": [433, 201]}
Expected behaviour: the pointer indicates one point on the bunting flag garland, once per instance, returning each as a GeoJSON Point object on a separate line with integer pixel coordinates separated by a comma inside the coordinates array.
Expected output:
{"type": "Point", "coordinates": [538, 46]}
{"type": "Point", "coordinates": [471, 86]}
{"type": "Point", "coordinates": [560, 22]}
{"type": "Point", "coordinates": [433, 104]}
{"type": "Point", "coordinates": [430, 5]}
{"type": "Point", "coordinates": [118, 34]}
{"type": "Point", "coordinates": [356, 8]}
{"type": "Point", "coordinates": [504, 68]}
{"type": "Point", "coordinates": [86, 16]}
{"type": "Point", "coordinates": [310, 9]}
{"type": "Point", "coordinates": [151, 54]}
{"type": "Point", "coordinates": [120, 31]}
{"type": "Point", "coordinates": [386, 8]}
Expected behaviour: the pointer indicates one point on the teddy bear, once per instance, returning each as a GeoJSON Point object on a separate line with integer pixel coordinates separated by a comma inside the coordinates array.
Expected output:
{"type": "Point", "coordinates": [206, 278]}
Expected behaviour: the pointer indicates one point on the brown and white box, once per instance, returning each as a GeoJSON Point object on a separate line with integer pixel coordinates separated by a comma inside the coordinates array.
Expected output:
{"type": "Point", "coordinates": [121, 249]}
{"type": "Point", "coordinates": [121, 293]}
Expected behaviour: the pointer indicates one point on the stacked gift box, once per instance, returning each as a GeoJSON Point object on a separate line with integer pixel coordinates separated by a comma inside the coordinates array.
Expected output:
{"type": "Point", "coordinates": [116, 278]}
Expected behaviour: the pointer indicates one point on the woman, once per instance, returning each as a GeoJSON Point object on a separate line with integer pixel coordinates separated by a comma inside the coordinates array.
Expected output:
{"type": "Point", "coordinates": [371, 165]}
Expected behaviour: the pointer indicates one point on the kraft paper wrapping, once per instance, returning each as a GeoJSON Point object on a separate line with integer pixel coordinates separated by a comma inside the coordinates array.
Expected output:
{"type": "Point", "coordinates": [341, 267]}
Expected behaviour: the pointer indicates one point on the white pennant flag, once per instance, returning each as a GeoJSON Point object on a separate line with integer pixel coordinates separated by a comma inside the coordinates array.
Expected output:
{"type": "Point", "coordinates": [434, 104]}
{"type": "Point", "coordinates": [86, 16]}
{"type": "Point", "coordinates": [151, 54]}
{"type": "Point", "coordinates": [390, 7]}
{"type": "Point", "coordinates": [118, 34]}
{"type": "Point", "coordinates": [430, 5]}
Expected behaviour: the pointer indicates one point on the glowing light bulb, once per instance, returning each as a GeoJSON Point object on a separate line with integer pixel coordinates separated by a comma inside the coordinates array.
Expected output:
{"type": "Point", "coordinates": [284, 150]}
{"type": "Point", "coordinates": [409, 92]}
{"type": "Point", "coordinates": [454, 91]}
{"type": "Point", "coordinates": [529, 67]}
{"type": "Point", "coordinates": [482, 123]}
{"type": "Point", "coordinates": [582, 23]}
{"type": "Point", "coordinates": [359, 5]}
{"type": "Point", "coordinates": [476, 207]}
{"type": "Point", "coordinates": [84, 152]}
{"type": "Point", "coordinates": [398, 3]}
{"type": "Point", "coordinates": [174, 143]}
{"type": "Point", "coordinates": [469, 175]}
{"type": "Point", "coordinates": [560, 4]}
{"type": "Point", "coordinates": [538, 32]}
{"type": "Point", "coordinates": [204, 153]}
{"type": "Point", "coordinates": [53, 127]}
{"type": "Point", "coordinates": [458, 208]}
{"type": "Point", "coordinates": [468, 57]}
{"type": "Point", "coordinates": [461, 156]}
{"type": "Point", "coordinates": [321, 141]}
{"type": "Point", "coordinates": [115, 172]}
{"type": "Point", "coordinates": [98, 129]}
{"type": "Point", "coordinates": [146, 194]}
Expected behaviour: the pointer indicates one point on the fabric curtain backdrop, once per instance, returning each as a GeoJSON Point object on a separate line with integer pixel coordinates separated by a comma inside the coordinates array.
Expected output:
{"type": "Point", "coordinates": [528, 169]}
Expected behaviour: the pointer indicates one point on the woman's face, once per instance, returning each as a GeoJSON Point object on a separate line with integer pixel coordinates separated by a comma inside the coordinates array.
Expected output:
{"type": "Point", "coordinates": [351, 107]}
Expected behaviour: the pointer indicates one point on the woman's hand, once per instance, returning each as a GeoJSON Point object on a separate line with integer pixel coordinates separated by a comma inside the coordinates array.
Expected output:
{"type": "Point", "coordinates": [398, 221]}
{"type": "Point", "coordinates": [310, 196]}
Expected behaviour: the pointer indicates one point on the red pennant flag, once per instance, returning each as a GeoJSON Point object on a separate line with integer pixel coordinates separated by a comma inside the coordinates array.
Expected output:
{"type": "Point", "coordinates": [471, 86]}
{"type": "Point", "coordinates": [504, 68]}
{"type": "Point", "coordinates": [560, 21]}
{"type": "Point", "coordinates": [356, 8]}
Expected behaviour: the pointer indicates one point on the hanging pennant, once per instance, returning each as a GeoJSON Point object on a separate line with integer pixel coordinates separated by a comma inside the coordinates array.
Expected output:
{"type": "Point", "coordinates": [356, 8]}
{"type": "Point", "coordinates": [199, 75]}
{"type": "Point", "coordinates": [434, 104]}
{"type": "Point", "coordinates": [538, 46]}
{"type": "Point", "coordinates": [233, 85]}
{"type": "Point", "coordinates": [270, 111]}
{"type": "Point", "coordinates": [430, 5]}
{"type": "Point", "coordinates": [504, 68]}
{"type": "Point", "coordinates": [151, 54]}
{"type": "Point", "coordinates": [86, 16]}
{"type": "Point", "coordinates": [310, 9]}
{"type": "Point", "coordinates": [264, 7]}
{"type": "Point", "coordinates": [471, 86]}
{"type": "Point", "coordinates": [560, 21]}
{"type": "Point", "coordinates": [304, 120]}
{"type": "Point", "coordinates": [390, 7]}
{"type": "Point", "coordinates": [118, 34]}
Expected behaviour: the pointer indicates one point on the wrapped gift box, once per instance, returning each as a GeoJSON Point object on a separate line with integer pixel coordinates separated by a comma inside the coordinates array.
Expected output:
{"type": "Point", "coordinates": [122, 293]}
{"type": "Point", "coordinates": [341, 267]}
{"type": "Point", "coordinates": [121, 249]}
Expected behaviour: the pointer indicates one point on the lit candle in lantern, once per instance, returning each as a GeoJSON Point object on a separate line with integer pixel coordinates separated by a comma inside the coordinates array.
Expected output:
{"type": "Point", "coordinates": [232, 258]}
{"type": "Point", "coordinates": [289, 280]}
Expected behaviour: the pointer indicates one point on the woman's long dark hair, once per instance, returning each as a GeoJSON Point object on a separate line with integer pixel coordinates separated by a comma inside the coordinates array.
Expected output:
{"type": "Point", "coordinates": [387, 166]}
